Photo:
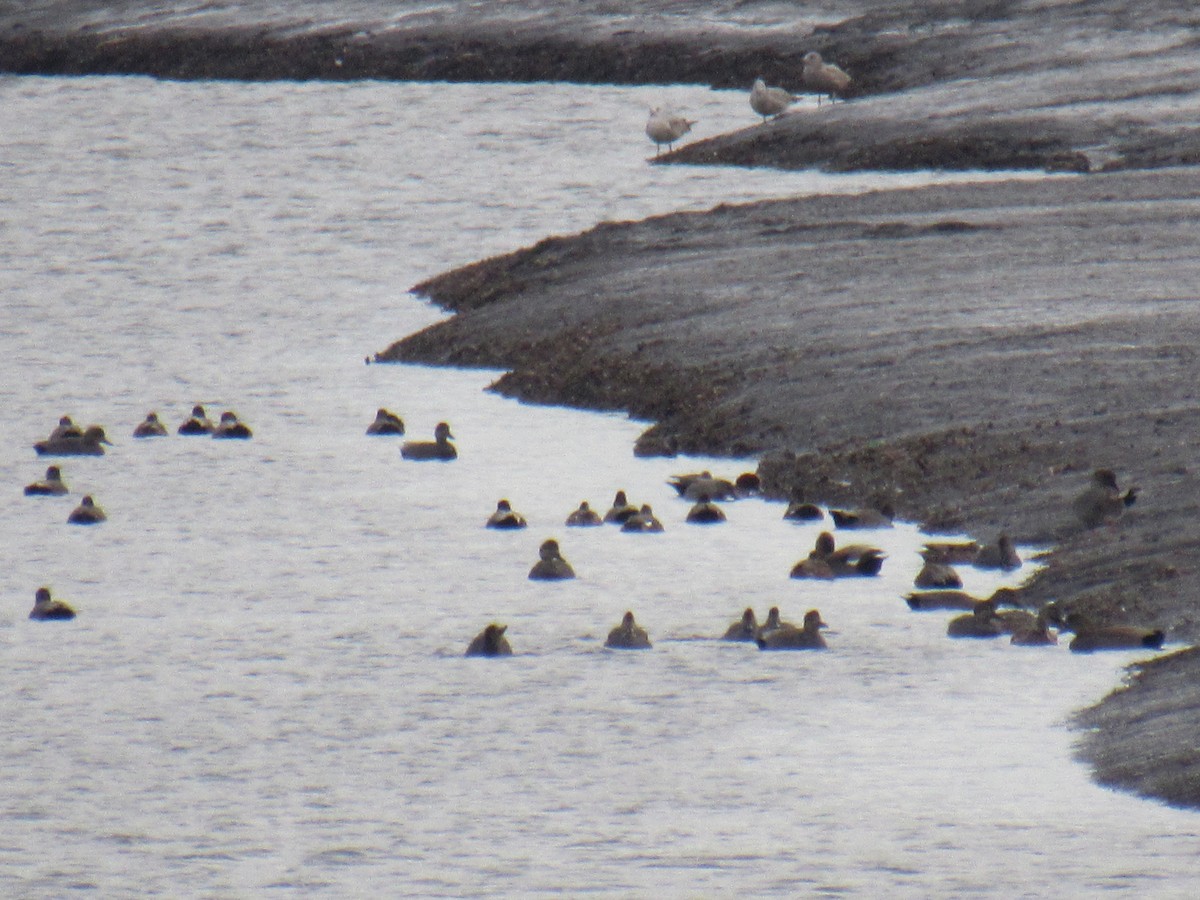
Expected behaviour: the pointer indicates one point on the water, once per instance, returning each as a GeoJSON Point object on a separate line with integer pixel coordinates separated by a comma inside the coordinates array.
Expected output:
{"type": "Point", "coordinates": [264, 691]}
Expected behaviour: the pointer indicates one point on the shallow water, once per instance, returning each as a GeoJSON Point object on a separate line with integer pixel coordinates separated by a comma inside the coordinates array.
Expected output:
{"type": "Point", "coordinates": [265, 689]}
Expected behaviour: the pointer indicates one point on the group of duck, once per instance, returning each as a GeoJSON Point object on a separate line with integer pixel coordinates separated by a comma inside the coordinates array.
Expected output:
{"type": "Point", "coordinates": [940, 585]}
{"type": "Point", "coordinates": [68, 439]}
{"type": "Point", "coordinates": [817, 77]}
{"type": "Point", "coordinates": [1102, 502]}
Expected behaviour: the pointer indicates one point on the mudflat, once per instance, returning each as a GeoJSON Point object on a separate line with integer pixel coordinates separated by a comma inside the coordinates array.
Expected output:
{"type": "Point", "coordinates": [968, 354]}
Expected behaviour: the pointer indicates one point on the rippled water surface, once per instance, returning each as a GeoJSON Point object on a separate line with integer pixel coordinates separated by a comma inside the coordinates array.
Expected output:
{"type": "Point", "coordinates": [265, 690]}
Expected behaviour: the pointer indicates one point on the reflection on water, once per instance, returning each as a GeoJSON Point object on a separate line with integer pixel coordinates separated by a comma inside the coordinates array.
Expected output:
{"type": "Point", "coordinates": [265, 686]}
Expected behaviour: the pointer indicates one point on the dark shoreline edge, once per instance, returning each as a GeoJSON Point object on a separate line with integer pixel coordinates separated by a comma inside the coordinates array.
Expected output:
{"type": "Point", "coordinates": [957, 85]}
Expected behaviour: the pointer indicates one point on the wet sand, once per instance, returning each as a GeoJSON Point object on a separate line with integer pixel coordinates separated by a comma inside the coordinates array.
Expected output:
{"type": "Point", "coordinates": [968, 353]}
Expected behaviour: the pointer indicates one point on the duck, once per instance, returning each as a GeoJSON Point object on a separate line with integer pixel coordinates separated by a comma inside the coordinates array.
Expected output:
{"type": "Point", "coordinates": [1102, 501]}
{"type": "Point", "coordinates": [87, 513]}
{"type": "Point", "coordinates": [386, 422]}
{"type": "Point", "coordinates": [800, 510]}
{"type": "Point", "coordinates": [924, 601]}
{"type": "Point", "coordinates": [950, 552]}
{"type": "Point", "coordinates": [1091, 636]}
{"type": "Point", "coordinates": [232, 428]}
{"type": "Point", "coordinates": [551, 566]}
{"type": "Point", "coordinates": [705, 512]}
{"type": "Point", "coordinates": [584, 517]}
{"type": "Point", "coordinates": [826, 561]}
{"type": "Point", "coordinates": [666, 127]}
{"type": "Point", "coordinates": [505, 517]}
{"type": "Point", "coordinates": [807, 638]}
{"type": "Point", "coordinates": [45, 608]}
{"type": "Point", "coordinates": [621, 510]}
{"type": "Point", "coordinates": [65, 429]}
{"type": "Point", "coordinates": [937, 575]}
{"type": "Point", "coordinates": [822, 78]}
{"type": "Point", "coordinates": [703, 484]}
{"type": "Point", "coordinates": [643, 521]}
{"type": "Point", "coordinates": [490, 642]}
{"type": "Point", "coordinates": [89, 443]}
{"type": "Point", "coordinates": [744, 629]}
{"type": "Point", "coordinates": [981, 622]}
{"type": "Point", "coordinates": [150, 427]}
{"type": "Point", "coordinates": [51, 485]}
{"type": "Point", "coordinates": [748, 484]}
{"type": "Point", "coordinates": [770, 102]}
{"type": "Point", "coordinates": [628, 635]}
{"type": "Point", "coordinates": [867, 517]}
{"type": "Point", "coordinates": [1000, 555]}
{"type": "Point", "coordinates": [197, 423]}
{"type": "Point", "coordinates": [439, 448]}
{"type": "Point", "coordinates": [773, 623]}
{"type": "Point", "coordinates": [1036, 635]}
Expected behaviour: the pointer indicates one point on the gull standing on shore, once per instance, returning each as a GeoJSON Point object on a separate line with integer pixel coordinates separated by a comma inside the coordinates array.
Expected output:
{"type": "Point", "coordinates": [823, 78]}
{"type": "Point", "coordinates": [769, 101]}
{"type": "Point", "coordinates": [666, 127]}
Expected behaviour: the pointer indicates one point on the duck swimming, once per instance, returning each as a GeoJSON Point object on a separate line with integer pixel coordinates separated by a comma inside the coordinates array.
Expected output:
{"type": "Point", "coordinates": [197, 423]}
{"type": "Point", "coordinates": [46, 609]}
{"type": "Point", "coordinates": [1000, 555]}
{"type": "Point", "coordinates": [744, 629]}
{"type": "Point", "coordinates": [937, 575]}
{"type": "Point", "coordinates": [705, 512]}
{"type": "Point", "coordinates": [982, 622]}
{"type": "Point", "coordinates": [800, 510]}
{"type": "Point", "coordinates": [551, 566]}
{"type": "Point", "coordinates": [439, 448]}
{"type": "Point", "coordinates": [490, 642]}
{"type": "Point", "coordinates": [621, 510]}
{"type": "Point", "coordinates": [645, 521]}
{"type": "Point", "coordinates": [51, 485]}
{"type": "Point", "coordinates": [824, 561]}
{"type": "Point", "coordinates": [791, 638]}
{"type": "Point", "coordinates": [628, 636]}
{"type": "Point", "coordinates": [584, 517]}
{"type": "Point", "coordinates": [86, 513]}
{"type": "Point", "coordinates": [87, 444]}
{"type": "Point", "coordinates": [65, 429]}
{"type": "Point", "coordinates": [867, 517]}
{"type": "Point", "coordinates": [505, 518]}
{"type": "Point", "coordinates": [386, 423]}
{"type": "Point", "coordinates": [232, 428]}
{"type": "Point", "coordinates": [150, 427]}
{"type": "Point", "coordinates": [693, 487]}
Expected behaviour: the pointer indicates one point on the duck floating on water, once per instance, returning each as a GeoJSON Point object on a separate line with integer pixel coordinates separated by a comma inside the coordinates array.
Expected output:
{"type": "Point", "coordinates": [197, 423]}
{"type": "Point", "coordinates": [89, 443]}
{"type": "Point", "coordinates": [87, 513]}
{"type": "Point", "coordinates": [505, 518]}
{"type": "Point", "coordinates": [744, 629]}
{"type": "Point", "coordinates": [644, 521]}
{"type": "Point", "coordinates": [50, 486]}
{"type": "Point", "coordinates": [628, 635]}
{"type": "Point", "coordinates": [386, 422]}
{"type": "Point", "coordinates": [584, 517]}
{"type": "Point", "coordinates": [982, 622]}
{"type": "Point", "coordinates": [150, 427]}
{"type": "Point", "coordinates": [439, 448]}
{"type": "Point", "coordinates": [826, 561]}
{"type": "Point", "coordinates": [232, 428]}
{"type": "Point", "coordinates": [46, 609]}
{"type": "Point", "coordinates": [551, 566]}
{"type": "Point", "coordinates": [791, 638]}
{"type": "Point", "coordinates": [490, 642]}
{"type": "Point", "coordinates": [705, 512]}
{"type": "Point", "coordinates": [621, 510]}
